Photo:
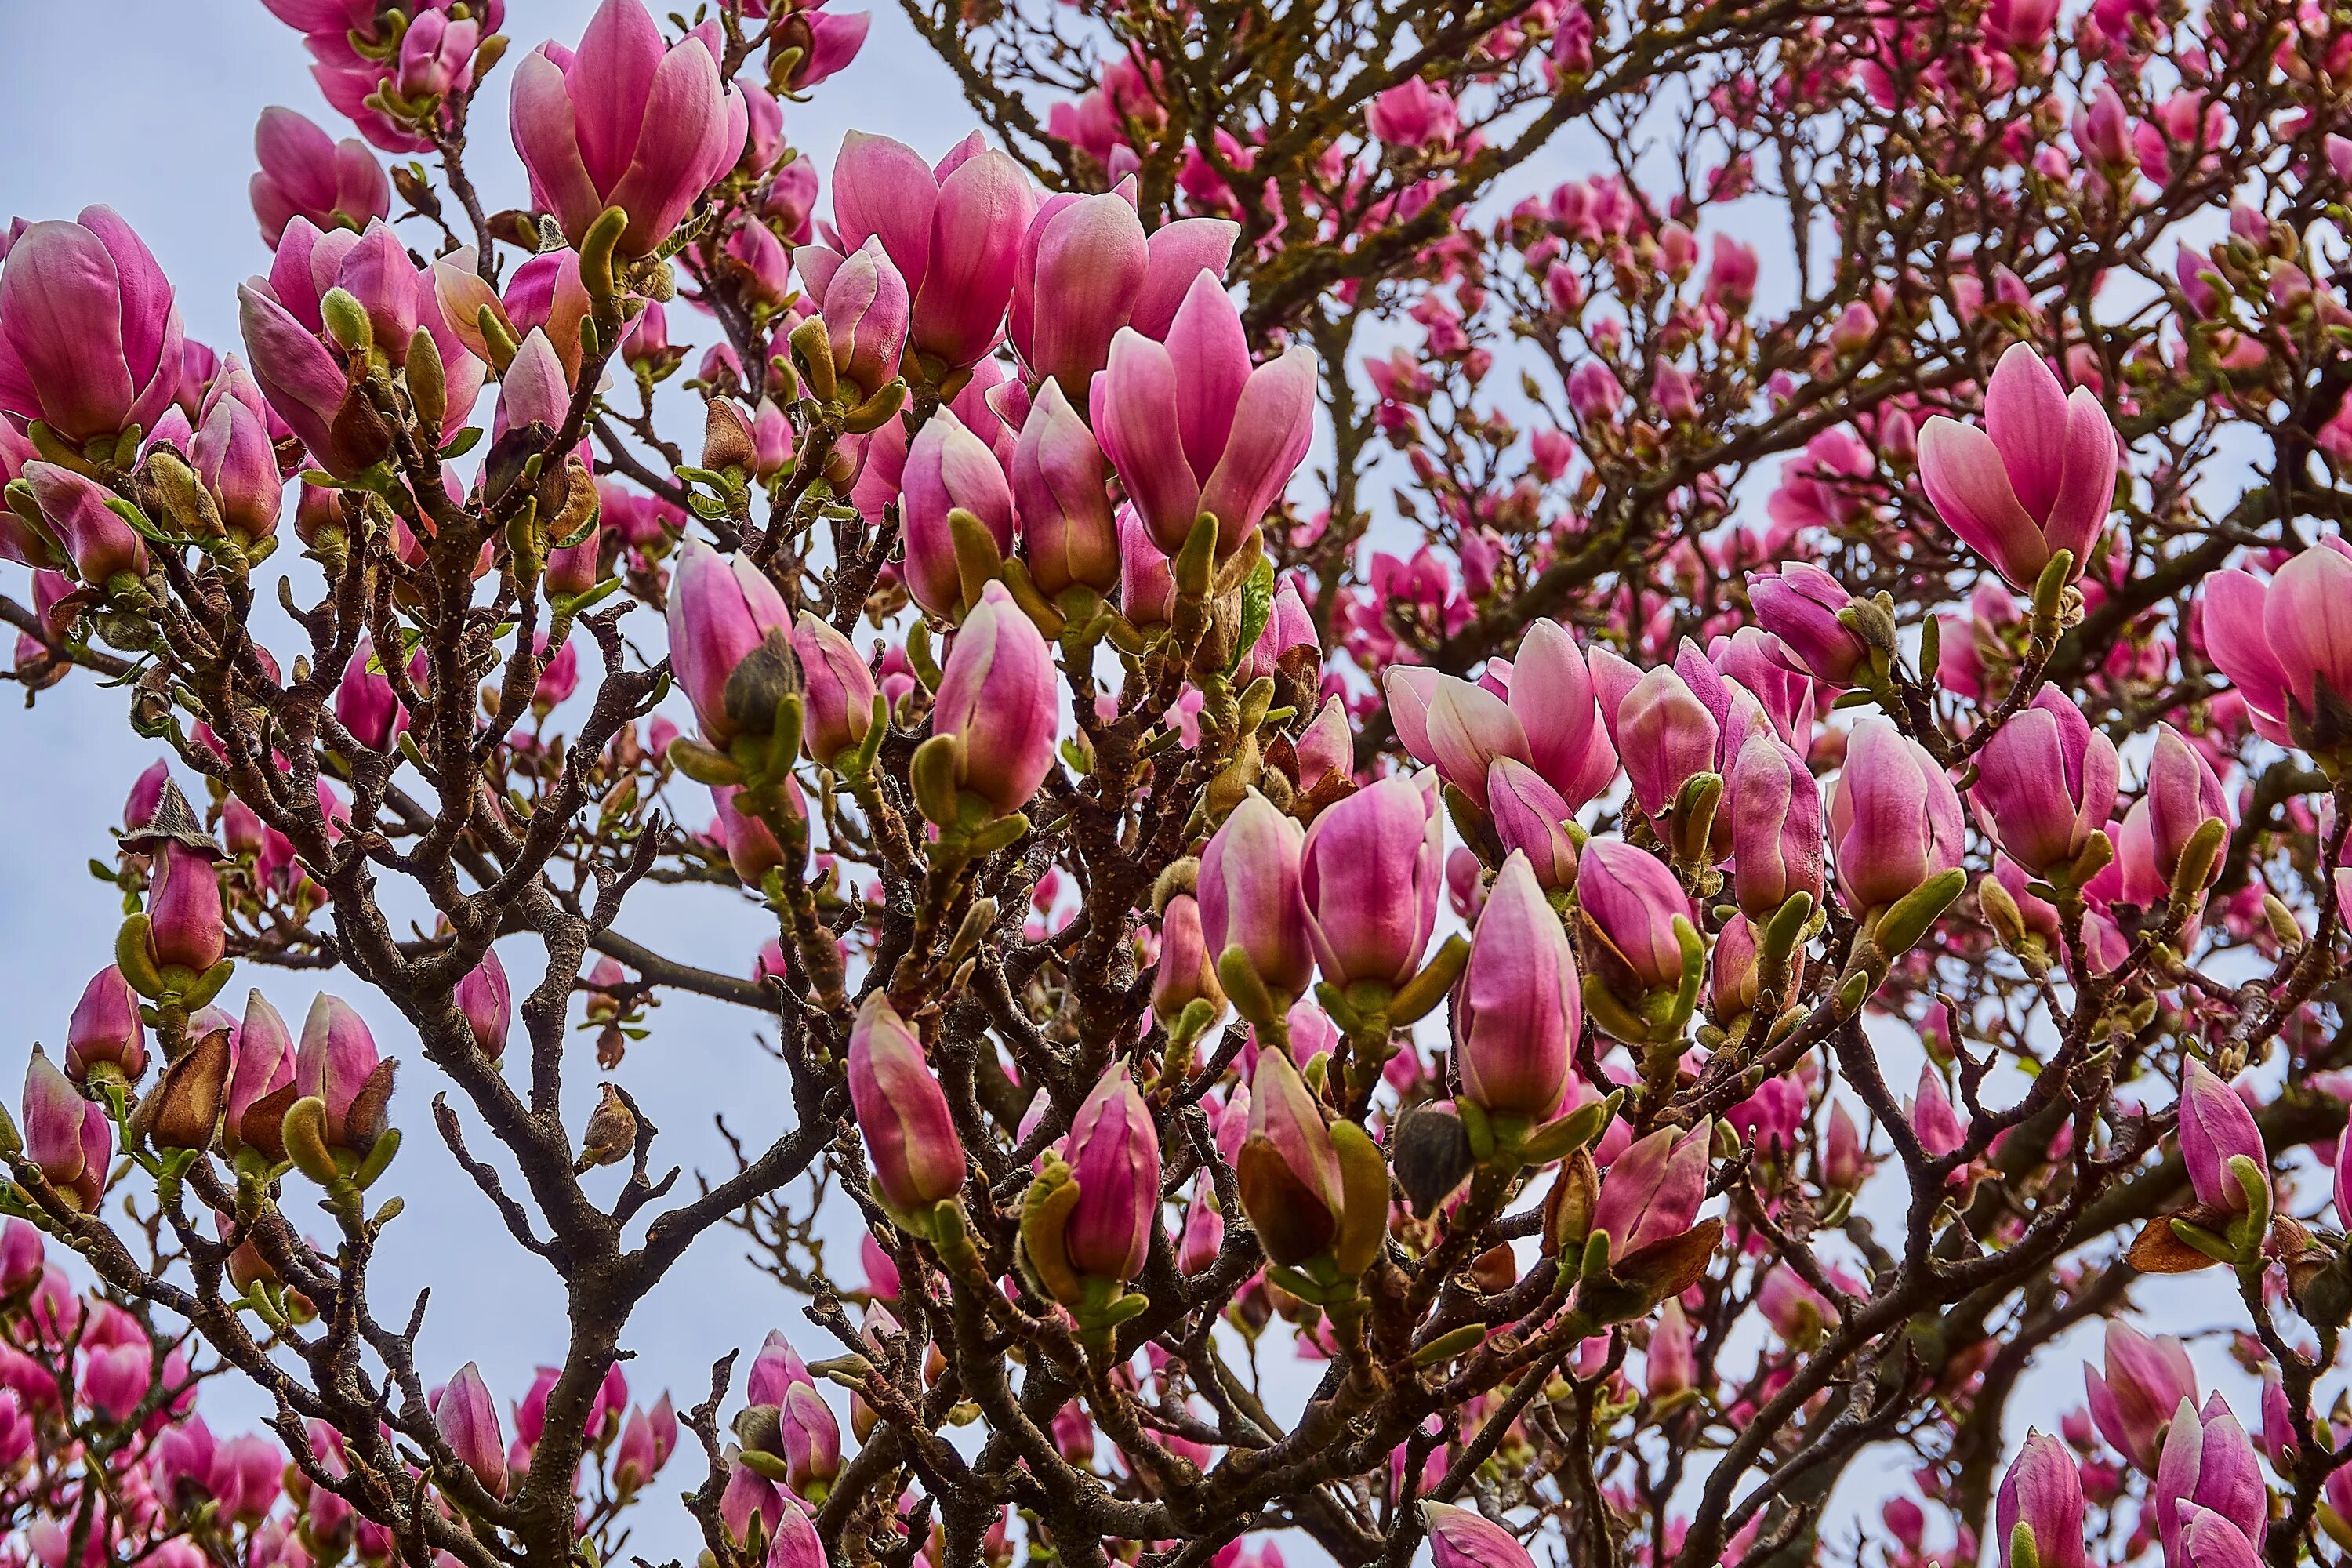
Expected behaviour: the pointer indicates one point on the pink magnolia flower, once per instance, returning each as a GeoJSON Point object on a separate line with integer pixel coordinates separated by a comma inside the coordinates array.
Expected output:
{"type": "Point", "coordinates": [1114, 1153]}
{"type": "Point", "coordinates": [1415, 114]}
{"type": "Point", "coordinates": [997, 697]}
{"type": "Point", "coordinates": [2038, 479]}
{"type": "Point", "coordinates": [1193, 427]}
{"type": "Point", "coordinates": [90, 341]}
{"type": "Point", "coordinates": [1517, 1008]}
{"type": "Point", "coordinates": [1370, 873]}
{"type": "Point", "coordinates": [2045, 783]}
{"type": "Point", "coordinates": [1894, 819]}
{"type": "Point", "coordinates": [307, 173]}
{"type": "Point", "coordinates": [1085, 270]}
{"type": "Point", "coordinates": [2143, 1384]}
{"type": "Point", "coordinates": [903, 1112]}
{"type": "Point", "coordinates": [628, 121]}
{"type": "Point", "coordinates": [2041, 1496]}
{"type": "Point", "coordinates": [953, 231]}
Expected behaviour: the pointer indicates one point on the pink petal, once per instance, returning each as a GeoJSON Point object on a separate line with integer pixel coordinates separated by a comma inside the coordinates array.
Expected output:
{"type": "Point", "coordinates": [299, 156]}
{"type": "Point", "coordinates": [546, 134]}
{"type": "Point", "coordinates": [1179, 252]}
{"type": "Point", "coordinates": [1961, 470]}
{"type": "Point", "coordinates": [2025, 414]}
{"type": "Point", "coordinates": [620, 56]}
{"type": "Point", "coordinates": [2088, 487]}
{"type": "Point", "coordinates": [58, 303]}
{"type": "Point", "coordinates": [2233, 626]}
{"type": "Point", "coordinates": [1273, 423]}
{"type": "Point", "coordinates": [685, 123]}
{"type": "Point", "coordinates": [1134, 407]}
{"type": "Point", "coordinates": [1211, 352]}
{"type": "Point", "coordinates": [884, 187]}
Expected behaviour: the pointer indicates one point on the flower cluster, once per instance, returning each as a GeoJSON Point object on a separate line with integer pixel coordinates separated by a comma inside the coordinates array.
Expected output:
{"type": "Point", "coordinates": [1558, 965]}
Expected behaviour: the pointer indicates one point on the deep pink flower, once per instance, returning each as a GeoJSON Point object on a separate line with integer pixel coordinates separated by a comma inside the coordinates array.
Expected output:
{"type": "Point", "coordinates": [90, 341]}
{"type": "Point", "coordinates": [307, 173]}
{"type": "Point", "coordinates": [1193, 427]}
{"type": "Point", "coordinates": [997, 696]}
{"type": "Point", "coordinates": [901, 1109]}
{"type": "Point", "coordinates": [2038, 479]}
{"type": "Point", "coordinates": [1369, 872]}
{"type": "Point", "coordinates": [1517, 1009]}
{"type": "Point", "coordinates": [627, 121]}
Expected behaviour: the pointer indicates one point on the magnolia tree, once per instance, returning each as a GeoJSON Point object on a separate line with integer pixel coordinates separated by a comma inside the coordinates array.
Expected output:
{"type": "Point", "coordinates": [1639, 930]}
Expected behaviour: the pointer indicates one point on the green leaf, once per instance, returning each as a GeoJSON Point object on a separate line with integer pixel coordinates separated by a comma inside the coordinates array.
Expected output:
{"type": "Point", "coordinates": [1257, 609]}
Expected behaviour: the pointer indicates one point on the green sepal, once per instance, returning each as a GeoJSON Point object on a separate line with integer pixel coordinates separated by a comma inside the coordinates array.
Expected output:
{"type": "Point", "coordinates": [497, 336]}
{"type": "Point", "coordinates": [760, 1462]}
{"type": "Point", "coordinates": [933, 776]}
{"type": "Point", "coordinates": [1558, 1139]}
{"type": "Point", "coordinates": [2255, 1184]}
{"type": "Point", "coordinates": [1194, 565]}
{"type": "Point", "coordinates": [1049, 620]}
{"type": "Point", "coordinates": [919, 656]}
{"type": "Point", "coordinates": [1696, 804]}
{"type": "Point", "coordinates": [132, 957]}
{"type": "Point", "coordinates": [596, 255]}
{"type": "Point", "coordinates": [1446, 1346]}
{"type": "Point", "coordinates": [1908, 918]}
{"type": "Point", "coordinates": [1045, 1211]}
{"type": "Point", "coordinates": [1614, 1018]}
{"type": "Point", "coordinates": [1479, 1128]}
{"type": "Point", "coordinates": [55, 448]}
{"type": "Point", "coordinates": [305, 1132]}
{"type": "Point", "coordinates": [2050, 588]}
{"type": "Point", "coordinates": [1853, 991]}
{"type": "Point", "coordinates": [1364, 1198]}
{"type": "Point", "coordinates": [812, 348]}
{"type": "Point", "coordinates": [1594, 1263]}
{"type": "Point", "coordinates": [849, 1371]}
{"type": "Point", "coordinates": [979, 561]}
{"type": "Point", "coordinates": [1198, 1014]}
{"type": "Point", "coordinates": [1782, 935]}
{"type": "Point", "coordinates": [951, 1235]}
{"type": "Point", "coordinates": [208, 984]}
{"type": "Point", "coordinates": [1103, 1319]}
{"type": "Point", "coordinates": [1305, 1287]}
{"type": "Point", "coordinates": [702, 763]}
{"type": "Point", "coordinates": [1419, 997]}
{"type": "Point", "coordinates": [860, 759]}
{"type": "Point", "coordinates": [1256, 702]}
{"type": "Point", "coordinates": [783, 739]}
{"type": "Point", "coordinates": [346, 321]}
{"type": "Point", "coordinates": [999, 834]}
{"type": "Point", "coordinates": [2191, 1234]}
{"type": "Point", "coordinates": [1248, 993]}
{"type": "Point", "coordinates": [2195, 867]}
{"type": "Point", "coordinates": [387, 1144]}
{"type": "Point", "coordinates": [877, 410]}
{"type": "Point", "coordinates": [428, 386]}
{"type": "Point", "coordinates": [1335, 1001]}
{"type": "Point", "coordinates": [1694, 951]}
